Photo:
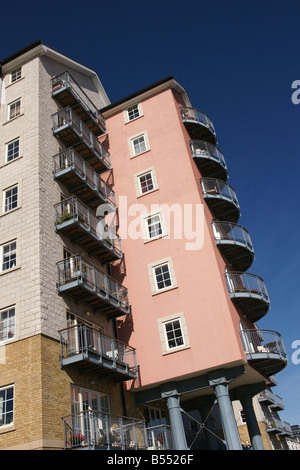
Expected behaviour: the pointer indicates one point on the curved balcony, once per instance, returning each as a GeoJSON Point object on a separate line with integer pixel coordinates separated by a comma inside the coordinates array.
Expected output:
{"type": "Point", "coordinates": [74, 133]}
{"type": "Point", "coordinates": [86, 283]}
{"type": "Point", "coordinates": [264, 350]}
{"type": "Point", "coordinates": [209, 159]}
{"type": "Point", "coordinates": [234, 243]}
{"type": "Point", "coordinates": [75, 220]}
{"type": "Point", "coordinates": [249, 293]}
{"type": "Point", "coordinates": [68, 93]}
{"type": "Point", "coordinates": [221, 199]}
{"type": "Point", "coordinates": [198, 124]}
{"type": "Point", "coordinates": [72, 170]}
{"type": "Point", "coordinates": [89, 349]}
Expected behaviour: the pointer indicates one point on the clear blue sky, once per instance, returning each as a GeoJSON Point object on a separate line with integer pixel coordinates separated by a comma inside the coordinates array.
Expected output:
{"type": "Point", "coordinates": [237, 60]}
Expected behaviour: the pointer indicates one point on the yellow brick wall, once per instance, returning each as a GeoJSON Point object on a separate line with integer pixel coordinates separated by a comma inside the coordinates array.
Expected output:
{"type": "Point", "coordinates": [42, 394]}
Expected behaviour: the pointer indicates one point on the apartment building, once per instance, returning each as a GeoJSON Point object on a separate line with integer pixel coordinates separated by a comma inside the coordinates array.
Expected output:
{"type": "Point", "coordinates": [125, 293]}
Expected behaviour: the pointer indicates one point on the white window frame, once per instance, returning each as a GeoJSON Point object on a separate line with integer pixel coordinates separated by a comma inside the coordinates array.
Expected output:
{"type": "Point", "coordinates": [153, 278]}
{"type": "Point", "coordinates": [16, 144]}
{"type": "Point", "coordinates": [145, 226]}
{"type": "Point", "coordinates": [132, 150]}
{"type": "Point", "coordinates": [12, 251]}
{"type": "Point", "coordinates": [16, 75]}
{"type": "Point", "coordinates": [162, 322]}
{"type": "Point", "coordinates": [10, 329]}
{"type": "Point", "coordinates": [5, 191]}
{"type": "Point", "coordinates": [10, 105]}
{"type": "Point", "coordinates": [3, 407]}
{"type": "Point", "coordinates": [137, 181]}
{"type": "Point", "coordinates": [139, 114]}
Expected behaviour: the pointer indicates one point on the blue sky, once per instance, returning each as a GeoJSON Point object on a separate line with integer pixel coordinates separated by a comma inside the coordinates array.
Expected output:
{"type": "Point", "coordinates": [237, 60]}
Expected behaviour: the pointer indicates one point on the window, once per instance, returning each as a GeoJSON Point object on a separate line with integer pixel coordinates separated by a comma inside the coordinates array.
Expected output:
{"type": "Point", "coordinates": [6, 406]}
{"type": "Point", "coordinates": [12, 150]}
{"type": "Point", "coordinates": [145, 182]}
{"type": "Point", "coordinates": [133, 112]}
{"type": "Point", "coordinates": [138, 144]}
{"type": "Point", "coordinates": [14, 109]}
{"type": "Point", "coordinates": [173, 333]}
{"type": "Point", "coordinates": [154, 226]}
{"type": "Point", "coordinates": [162, 276]}
{"type": "Point", "coordinates": [16, 75]}
{"type": "Point", "coordinates": [10, 199]}
{"type": "Point", "coordinates": [7, 324]}
{"type": "Point", "coordinates": [9, 256]}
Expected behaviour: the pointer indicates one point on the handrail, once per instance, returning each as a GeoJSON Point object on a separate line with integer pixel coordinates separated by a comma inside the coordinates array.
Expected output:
{"type": "Point", "coordinates": [215, 187]}
{"type": "Point", "coordinates": [77, 268]}
{"type": "Point", "coordinates": [65, 79]}
{"type": "Point", "coordinates": [201, 148]}
{"type": "Point", "coordinates": [67, 117]}
{"type": "Point", "coordinates": [257, 341]}
{"type": "Point", "coordinates": [83, 338]}
{"type": "Point", "coordinates": [228, 231]}
{"type": "Point", "coordinates": [195, 114]}
{"type": "Point", "coordinates": [73, 208]}
{"type": "Point", "coordinates": [246, 283]}
{"type": "Point", "coordinates": [69, 158]}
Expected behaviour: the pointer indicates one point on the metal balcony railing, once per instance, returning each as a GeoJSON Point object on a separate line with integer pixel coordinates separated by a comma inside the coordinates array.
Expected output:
{"type": "Point", "coordinates": [203, 149]}
{"type": "Point", "coordinates": [263, 344]}
{"type": "Point", "coordinates": [214, 187]}
{"type": "Point", "coordinates": [267, 396]}
{"type": "Point", "coordinates": [66, 81]}
{"type": "Point", "coordinates": [196, 116]}
{"type": "Point", "coordinates": [82, 343]}
{"type": "Point", "coordinates": [99, 430]}
{"type": "Point", "coordinates": [67, 119]}
{"type": "Point", "coordinates": [274, 424]}
{"type": "Point", "coordinates": [229, 232]}
{"type": "Point", "coordinates": [70, 161]}
{"type": "Point", "coordinates": [72, 211]}
{"type": "Point", "coordinates": [245, 283]}
{"type": "Point", "coordinates": [75, 271]}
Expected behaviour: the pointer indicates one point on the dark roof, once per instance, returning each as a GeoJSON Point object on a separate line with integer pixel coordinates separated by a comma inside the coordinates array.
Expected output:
{"type": "Point", "coordinates": [137, 93]}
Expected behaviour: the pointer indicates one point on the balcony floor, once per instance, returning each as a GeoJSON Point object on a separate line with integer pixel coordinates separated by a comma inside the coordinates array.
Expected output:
{"type": "Point", "coordinates": [237, 254]}
{"type": "Point", "coordinates": [254, 306]}
{"type": "Point", "coordinates": [223, 208]}
{"type": "Point", "coordinates": [199, 131]}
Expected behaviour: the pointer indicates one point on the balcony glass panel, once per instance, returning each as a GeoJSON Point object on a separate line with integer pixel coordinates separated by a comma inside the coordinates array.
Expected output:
{"type": "Point", "coordinates": [65, 81]}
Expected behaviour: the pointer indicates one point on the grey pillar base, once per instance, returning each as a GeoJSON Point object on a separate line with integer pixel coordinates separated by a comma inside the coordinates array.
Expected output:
{"type": "Point", "coordinates": [218, 381]}
{"type": "Point", "coordinates": [170, 394]}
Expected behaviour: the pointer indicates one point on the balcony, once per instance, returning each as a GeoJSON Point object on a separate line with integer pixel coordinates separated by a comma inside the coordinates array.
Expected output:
{"type": "Point", "coordinates": [68, 93]}
{"type": "Point", "coordinates": [75, 220]}
{"type": "Point", "coordinates": [287, 430]}
{"type": "Point", "coordinates": [209, 159]}
{"type": "Point", "coordinates": [274, 425]}
{"type": "Point", "coordinates": [73, 171]}
{"type": "Point", "coordinates": [74, 133]}
{"type": "Point", "coordinates": [198, 125]}
{"type": "Point", "coordinates": [90, 350]}
{"type": "Point", "coordinates": [221, 199]}
{"type": "Point", "coordinates": [234, 243]}
{"type": "Point", "coordinates": [264, 350]}
{"type": "Point", "coordinates": [92, 430]}
{"type": "Point", "coordinates": [278, 404]}
{"type": "Point", "coordinates": [266, 397]}
{"type": "Point", "coordinates": [249, 293]}
{"type": "Point", "coordinates": [86, 283]}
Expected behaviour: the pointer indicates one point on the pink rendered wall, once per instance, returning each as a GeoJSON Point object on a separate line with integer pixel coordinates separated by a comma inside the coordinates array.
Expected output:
{"type": "Point", "coordinates": [211, 319]}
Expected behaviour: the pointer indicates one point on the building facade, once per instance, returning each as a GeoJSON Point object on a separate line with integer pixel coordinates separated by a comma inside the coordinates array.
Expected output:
{"type": "Point", "coordinates": [125, 293]}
